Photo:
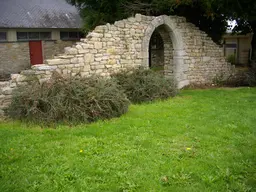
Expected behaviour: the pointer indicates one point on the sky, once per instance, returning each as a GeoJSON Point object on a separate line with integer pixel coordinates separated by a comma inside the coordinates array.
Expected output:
{"type": "Point", "coordinates": [232, 25]}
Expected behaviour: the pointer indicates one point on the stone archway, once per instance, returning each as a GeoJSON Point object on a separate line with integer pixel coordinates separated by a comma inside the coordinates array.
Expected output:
{"type": "Point", "coordinates": [174, 50]}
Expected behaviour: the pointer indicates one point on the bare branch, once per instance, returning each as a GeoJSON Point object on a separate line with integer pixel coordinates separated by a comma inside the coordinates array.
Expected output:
{"type": "Point", "coordinates": [138, 7]}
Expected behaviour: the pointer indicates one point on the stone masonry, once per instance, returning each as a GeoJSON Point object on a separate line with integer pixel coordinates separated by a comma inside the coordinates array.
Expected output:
{"type": "Point", "coordinates": [15, 57]}
{"type": "Point", "coordinates": [190, 56]}
{"type": "Point", "coordinates": [12, 53]}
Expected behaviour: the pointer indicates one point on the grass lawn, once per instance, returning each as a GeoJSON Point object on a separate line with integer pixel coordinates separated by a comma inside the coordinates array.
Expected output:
{"type": "Point", "coordinates": [202, 140]}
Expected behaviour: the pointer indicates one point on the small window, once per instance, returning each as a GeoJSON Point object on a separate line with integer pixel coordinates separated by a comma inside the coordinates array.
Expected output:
{"type": "Point", "coordinates": [70, 35]}
{"type": "Point", "coordinates": [22, 35]}
{"type": "Point", "coordinates": [45, 35]}
{"type": "Point", "coordinates": [34, 36]}
{"type": "Point", "coordinates": [230, 45]}
{"type": "Point", "coordinates": [64, 35]}
{"type": "Point", "coordinates": [3, 36]}
{"type": "Point", "coordinates": [73, 35]}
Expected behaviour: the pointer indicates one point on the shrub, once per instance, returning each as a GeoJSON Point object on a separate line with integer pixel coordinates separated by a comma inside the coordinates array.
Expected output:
{"type": "Point", "coordinates": [251, 76]}
{"type": "Point", "coordinates": [236, 79]}
{"type": "Point", "coordinates": [142, 85]}
{"type": "Point", "coordinates": [219, 79]}
{"type": "Point", "coordinates": [231, 59]}
{"type": "Point", "coordinates": [69, 100]}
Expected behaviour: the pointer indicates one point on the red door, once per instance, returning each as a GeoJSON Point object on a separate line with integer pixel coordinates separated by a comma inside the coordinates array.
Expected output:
{"type": "Point", "coordinates": [36, 54]}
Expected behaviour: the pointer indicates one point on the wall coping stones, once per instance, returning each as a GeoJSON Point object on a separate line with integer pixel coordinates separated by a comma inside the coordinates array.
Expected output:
{"type": "Point", "coordinates": [43, 67]}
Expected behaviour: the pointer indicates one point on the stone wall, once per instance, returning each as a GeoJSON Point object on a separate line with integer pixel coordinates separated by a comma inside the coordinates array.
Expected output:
{"type": "Point", "coordinates": [204, 59]}
{"type": "Point", "coordinates": [52, 48]}
{"type": "Point", "coordinates": [190, 56]}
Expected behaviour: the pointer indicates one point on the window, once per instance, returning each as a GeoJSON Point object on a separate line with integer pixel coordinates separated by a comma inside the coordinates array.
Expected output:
{"type": "Point", "coordinates": [33, 36]}
{"type": "Point", "coordinates": [3, 36]}
{"type": "Point", "coordinates": [45, 35]}
{"type": "Point", "coordinates": [22, 35]}
{"type": "Point", "coordinates": [74, 35]}
{"type": "Point", "coordinates": [64, 35]}
{"type": "Point", "coordinates": [231, 45]}
{"type": "Point", "coordinates": [70, 35]}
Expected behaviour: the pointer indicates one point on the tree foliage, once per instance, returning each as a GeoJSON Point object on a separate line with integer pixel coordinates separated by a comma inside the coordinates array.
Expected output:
{"type": "Point", "coordinates": [209, 15]}
{"type": "Point", "coordinates": [243, 11]}
{"type": "Point", "coordinates": [98, 12]}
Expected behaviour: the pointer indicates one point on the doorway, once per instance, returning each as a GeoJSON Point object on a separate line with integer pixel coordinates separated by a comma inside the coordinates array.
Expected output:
{"type": "Point", "coordinates": [36, 52]}
{"type": "Point", "coordinates": [161, 51]}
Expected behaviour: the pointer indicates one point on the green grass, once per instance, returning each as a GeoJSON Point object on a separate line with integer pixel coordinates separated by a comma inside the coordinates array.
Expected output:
{"type": "Point", "coordinates": [202, 140]}
{"type": "Point", "coordinates": [157, 68]}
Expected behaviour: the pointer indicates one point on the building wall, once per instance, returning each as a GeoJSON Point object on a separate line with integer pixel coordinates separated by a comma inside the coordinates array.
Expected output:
{"type": "Point", "coordinates": [244, 50]}
{"type": "Point", "coordinates": [15, 55]}
{"type": "Point", "coordinates": [241, 45]}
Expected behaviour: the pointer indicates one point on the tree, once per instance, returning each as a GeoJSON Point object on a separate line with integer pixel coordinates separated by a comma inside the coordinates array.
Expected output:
{"type": "Point", "coordinates": [98, 12]}
{"type": "Point", "coordinates": [209, 15]}
{"type": "Point", "coordinates": [243, 11]}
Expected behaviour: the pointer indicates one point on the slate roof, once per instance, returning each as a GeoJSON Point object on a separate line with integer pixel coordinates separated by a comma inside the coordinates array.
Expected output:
{"type": "Point", "coordinates": [38, 14]}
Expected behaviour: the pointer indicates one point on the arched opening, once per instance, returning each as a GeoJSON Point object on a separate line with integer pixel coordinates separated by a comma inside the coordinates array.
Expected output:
{"type": "Point", "coordinates": [156, 52]}
{"type": "Point", "coordinates": [174, 51]}
{"type": "Point", "coordinates": [161, 51]}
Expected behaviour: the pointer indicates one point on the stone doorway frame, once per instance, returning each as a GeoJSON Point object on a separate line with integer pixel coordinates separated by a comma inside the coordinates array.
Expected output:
{"type": "Point", "coordinates": [179, 53]}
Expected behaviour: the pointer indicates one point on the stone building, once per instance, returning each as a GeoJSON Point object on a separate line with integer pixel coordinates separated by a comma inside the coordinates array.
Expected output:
{"type": "Point", "coordinates": [33, 31]}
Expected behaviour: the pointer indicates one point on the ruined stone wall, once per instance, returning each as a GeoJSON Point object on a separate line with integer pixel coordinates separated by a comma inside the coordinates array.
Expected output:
{"type": "Point", "coordinates": [107, 49]}
{"type": "Point", "coordinates": [52, 48]}
{"type": "Point", "coordinates": [204, 59]}
{"type": "Point", "coordinates": [190, 56]}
